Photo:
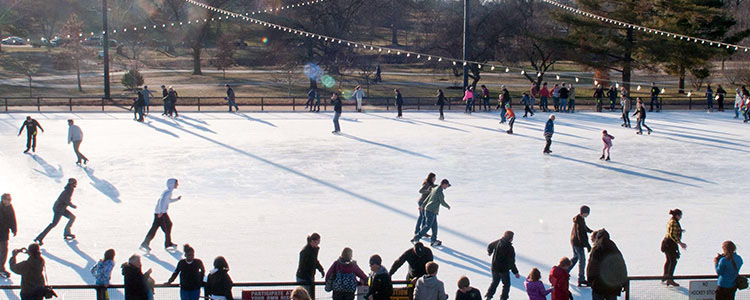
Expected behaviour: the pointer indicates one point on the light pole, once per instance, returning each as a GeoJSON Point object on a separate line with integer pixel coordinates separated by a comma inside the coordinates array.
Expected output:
{"type": "Point", "coordinates": [105, 43]}
{"type": "Point", "coordinates": [466, 43]}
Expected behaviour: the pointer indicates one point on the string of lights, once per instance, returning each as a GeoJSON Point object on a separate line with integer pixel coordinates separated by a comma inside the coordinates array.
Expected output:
{"type": "Point", "coordinates": [682, 37]}
{"type": "Point", "coordinates": [386, 50]}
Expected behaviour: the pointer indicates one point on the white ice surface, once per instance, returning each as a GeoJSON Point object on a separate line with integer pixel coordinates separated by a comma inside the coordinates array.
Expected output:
{"type": "Point", "coordinates": [254, 185]}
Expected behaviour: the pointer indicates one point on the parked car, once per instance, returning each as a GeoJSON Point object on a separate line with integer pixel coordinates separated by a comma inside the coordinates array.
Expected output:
{"type": "Point", "coordinates": [13, 40]}
{"type": "Point", "coordinates": [96, 41]}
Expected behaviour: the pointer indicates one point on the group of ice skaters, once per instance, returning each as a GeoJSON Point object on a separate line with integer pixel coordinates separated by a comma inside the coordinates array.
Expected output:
{"type": "Point", "coordinates": [142, 102]}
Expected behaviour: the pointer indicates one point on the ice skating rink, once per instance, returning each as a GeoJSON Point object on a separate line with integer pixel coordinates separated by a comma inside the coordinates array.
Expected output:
{"type": "Point", "coordinates": [253, 185]}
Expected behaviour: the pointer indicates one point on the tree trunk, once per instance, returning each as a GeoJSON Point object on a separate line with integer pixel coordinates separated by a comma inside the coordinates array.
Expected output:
{"type": "Point", "coordinates": [626, 66]}
{"type": "Point", "coordinates": [394, 35]}
{"type": "Point", "coordinates": [682, 80]}
{"type": "Point", "coordinates": [78, 75]}
{"type": "Point", "coordinates": [197, 59]}
{"type": "Point", "coordinates": [30, 86]}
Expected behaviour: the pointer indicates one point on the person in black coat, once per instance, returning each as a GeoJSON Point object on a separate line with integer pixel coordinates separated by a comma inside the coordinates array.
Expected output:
{"type": "Point", "coordinates": [134, 280]}
{"type": "Point", "coordinates": [60, 209]}
{"type": "Point", "coordinates": [399, 102]}
{"type": "Point", "coordinates": [441, 101]}
{"type": "Point", "coordinates": [336, 100]}
{"type": "Point", "coordinates": [165, 99]}
{"type": "Point", "coordinates": [7, 225]}
{"type": "Point", "coordinates": [308, 263]}
{"type": "Point", "coordinates": [380, 284]}
{"type": "Point", "coordinates": [32, 280]}
{"type": "Point", "coordinates": [191, 273]}
{"type": "Point", "coordinates": [579, 239]}
{"type": "Point", "coordinates": [219, 283]}
{"type": "Point", "coordinates": [503, 262]}
{"type": "Point", "coordinates": [607, 272]}
{"type": "Point", "coordinates": [31, 126]}
{"type": "Point", "coordinates": [465, 291]}
{"type": "Point", "coordinates": [417, 257]}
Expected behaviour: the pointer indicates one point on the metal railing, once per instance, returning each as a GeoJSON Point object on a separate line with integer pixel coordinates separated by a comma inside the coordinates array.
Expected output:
{"type": "Point", "coordinates": [161, 291]}
{"type": "Point", "coordinates": [652, 287]}
{"type": "Point", "coordinates": [57, 104]}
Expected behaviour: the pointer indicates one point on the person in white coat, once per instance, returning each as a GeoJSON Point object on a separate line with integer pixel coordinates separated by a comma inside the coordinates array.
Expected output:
{"type": "Point", "coordinates": [161, 218]}
{"type": "Point", "coordinates": [75, 136]}
{"type": "Point", "coordinates": [358, 94]}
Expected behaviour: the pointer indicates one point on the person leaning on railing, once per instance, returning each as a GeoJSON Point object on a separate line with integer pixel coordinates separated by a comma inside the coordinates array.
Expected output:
{"type": "Point", "coordinates": [32, 280]}
{"type": "Point", "coordinates": [219, 284]}
{"type": "Point", "coordinates": [728, 265]}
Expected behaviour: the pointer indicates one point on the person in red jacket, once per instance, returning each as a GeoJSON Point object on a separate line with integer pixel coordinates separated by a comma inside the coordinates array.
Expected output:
{"type": "Point", "coordinates": [559, 278]}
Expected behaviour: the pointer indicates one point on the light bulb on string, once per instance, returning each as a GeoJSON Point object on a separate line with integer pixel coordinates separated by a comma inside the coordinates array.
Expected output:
{"type": "Point", "coordinates": [576, 79]}
{"type": "Point", "coordinates": [690, 93]}
{"type": "Point", "coordinates": [617, 85]}
{"type": "Point", "coordinates": [440, 59]}
{"type": "Point", "coordinates": [663, 90]}
{"type": "Point", "coordinates": [639, 88]}
{"type": "Point", "coordinates": [557, 76]}
{"type": "Point", "coordinates": [523, 72]}
{"type": "Point", "coordinates": [492, 69]}
{"type": "Point", "coordinates": [454, 63]}
{"type": "Point", "coordinates": [538, 74]}
{"type": "Point", "coordinates": [429, 58]}
{"type": "Point", "coordinates": [507, 69]}
{"type": "Point", "coordinates": [419, 55]}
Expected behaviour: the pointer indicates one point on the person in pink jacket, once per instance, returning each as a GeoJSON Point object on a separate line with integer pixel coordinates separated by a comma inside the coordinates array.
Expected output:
{"type": "Point", "coordinates": [342, 274]}
{"type": "Point", "coordinates": [469, 98]}
{"type": "Point", "coordinates": [535, 287]}
{"type": "Point", "coordinates": [607, 140]}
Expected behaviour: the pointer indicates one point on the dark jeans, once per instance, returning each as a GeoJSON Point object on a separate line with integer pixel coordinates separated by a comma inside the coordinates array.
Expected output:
{"type": "Point", "coordinates": [307, 285]}
{"type": "Point", "coordinates": [139, 113]}
{"type": "Point", "coordinates": [527, 110]}
{"type": "Point", "coordinates": [642, 123]}
{"type": "Point", "coordinates": [173, 108]}
{"type": "Point", "coordinates": [76, 149]}
{"type": "Point", "coordinates": [595, 296]}
{"type": "Point", "coordinates": [626, 118]}
{"type": "Point", "coordinates": [579, 256]}
{"type": "Point", "coordinates": [543, 104]}
{"type": "Point", "coordinates": [309, 103]}
{"type": "Point", "coordinates": [710, 103]}
{"type": "Point", "coordinates": [166, 107]}
{"type": "Point", "coordinates": [496, 278]}
{"type": "Point", "coordinates": [572, 105]}
{"type": "Point", "coordinates": [428, 222]}
{"type": "Point", "coordinates": [398, 107]}
{"type": "Point", "coordinates": [672, 252]}
{"type": "Point", "coordinates": [612, 105]}
{"type": "Point", "coordinates": [723, 293]}
{"type": "Point", "coordinates": [548, 140]}
{"type": "Point", "coordinates": [37, 294]}
{"type": "Point", "coordinates": [599, 104]}
{"type": "Point", "coordinates": [166, 225]}
{"type": "Point", "coordinates": [441, 112]}
{"type": "Point", "coordinates": [721, 103]}
{"type": "Point", "coordinates": [510, 123]}
{"type": "Point", "coordinates": [102, 293]}
{"type": "Point", "coordinates": [468, 106]}
{"type": "Point", "coordinates": [55, 220]}
{"type": "Point", "coordinates": [232, 103]}
{"type": "Point", "coordinates": [487, 103]}
{"type": "Point", "coordinates": [420, 219]}
{"type": "Point", "coordinates": [30, 140]}
{"type": "Point", "coordinates": [3, 255]}
{"type": "Point", "coordinates": [343, 295]}
{"type": "Point", "coordinates": [556, 103]}
{"type": "Point", "coordinates": [502, 113]}
{"type": "Point", "coordinates": [654, 100]}
{"type": "Point", "coordinates": [336, 116]}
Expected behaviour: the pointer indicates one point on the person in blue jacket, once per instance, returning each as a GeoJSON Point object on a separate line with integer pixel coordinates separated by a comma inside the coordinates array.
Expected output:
{"type": "Point", "coordinates": [728, 266]}
{"type": "Point", "coordinates": [549, 130]}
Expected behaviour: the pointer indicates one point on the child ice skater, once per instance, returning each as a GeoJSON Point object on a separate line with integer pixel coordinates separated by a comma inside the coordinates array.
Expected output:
{"type": "Point", "coordinates": [511, 116]}
{"type": "Point", "coordinates": [559, 277]}
{"type": "Point", "coordinates": [534, 286]}
{"type": "Point", "coordinates": [607, 139]}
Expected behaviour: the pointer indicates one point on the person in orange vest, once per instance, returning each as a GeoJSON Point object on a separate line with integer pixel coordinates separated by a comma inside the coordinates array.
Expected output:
{"type": "Point", "coordinates": [511, 116]}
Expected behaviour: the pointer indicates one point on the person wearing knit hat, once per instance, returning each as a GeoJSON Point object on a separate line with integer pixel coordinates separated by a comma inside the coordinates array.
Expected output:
{"type": "Point", "coordinates": [579, 240]}
{"type": "Point", "coordinates": [60, 209]}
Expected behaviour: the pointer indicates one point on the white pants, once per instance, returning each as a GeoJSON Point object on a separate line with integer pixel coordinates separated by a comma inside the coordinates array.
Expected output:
{"type": "Point", "coordinates": [215, 297]}
{"type": "Point", "coordinates": [359, 104]}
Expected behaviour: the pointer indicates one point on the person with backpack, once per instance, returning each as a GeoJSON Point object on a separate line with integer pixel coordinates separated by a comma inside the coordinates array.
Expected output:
{"type": "Point", "coordinates": [7, 225]}
{"type": "Point", "coordinates": [728, 265]}
{"type": "Point", "coordinates": [559, 278]}
{"type": "Point", "coordinates": [308, 263]}
{"type": "Point", "coordinates": [429, 287]}
{"type": "Point", "coordinates": [191, 272]}
{"type": "Point", "coordinates": [341, 277]}
{"type": "Point", "coordinates": [102, 272]}
{"type": "Point", "coordinates": [503, 263]}
{"type": "Point", "coordinates": [607, 272]}
{"type": "Point", "coordinates": [31, 271]}
{"type": "Point", "coordinates": [379, 282]}
{"type": "Point", "coordinates": [669, 246]}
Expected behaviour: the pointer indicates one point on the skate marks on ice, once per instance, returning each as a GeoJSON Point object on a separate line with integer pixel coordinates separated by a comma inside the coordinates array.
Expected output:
{"type": "Point", "coordinates": [621, 170]}
{"type": "Point", "coordinates": [103, 186]}
{"type": "Point", "coordinates": [48, 170]}
{"type": "Point", "coordinates": [359, 139]}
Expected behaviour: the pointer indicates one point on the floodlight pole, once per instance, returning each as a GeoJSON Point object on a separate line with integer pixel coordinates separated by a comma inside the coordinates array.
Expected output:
{"type": "Point", "coordinates": [466, 43]}
{"type": "Point", "coordinates": [105, 43]}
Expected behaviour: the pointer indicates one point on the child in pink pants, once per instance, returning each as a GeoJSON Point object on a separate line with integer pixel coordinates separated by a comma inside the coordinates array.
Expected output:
{"type": "Point", "coordinates": [607, 139]}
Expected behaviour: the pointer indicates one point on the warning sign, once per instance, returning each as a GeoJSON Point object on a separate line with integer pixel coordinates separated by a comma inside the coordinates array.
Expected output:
{"type": "Point", "coordinates": [400, 294]}
{"type": "Point", "coordinates": [266, 294]}
{"type": "Point", "coordinates": [703, 290]}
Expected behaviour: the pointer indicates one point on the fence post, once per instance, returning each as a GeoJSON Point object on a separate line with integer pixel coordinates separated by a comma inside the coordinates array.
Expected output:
{"type": "Point", "coordinates": [102, 103]}
{"type": "Point", "coordinates": [449, 103]}
{"type": "Point", "coordinates": [261, 104]}
{"type": "Point", "coordinates": [293, 103]}
{"type": "Point", "coordinates": [627, 290]}
{"type": "Point", "coordinates": [418, 104]}
{"type": "Point", "coordinates": [387, 102]}
{"type": "Point", "coordinates": [199, 103]}
{"type": "Point", "coordinates": [6, 104]}
{"type": "Point", "coordinates": [37, 104]}
{"type": "Point", "coordinates": [70, 103]}
{"type": "Point", "coordinates": [690, 103]}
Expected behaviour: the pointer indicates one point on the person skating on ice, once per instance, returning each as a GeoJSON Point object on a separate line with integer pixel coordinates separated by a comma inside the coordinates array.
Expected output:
{"type": "Point", "coordinates": [165, 100]}
{"type": "Point", "coordinates": [607, 140]}
{"type": "Point", "coordinates": [607, 272]}
{"type": "Point", "coordinates": [441, 100]}
{"type": "Point", "coordinates": [31, 125]}
{"type": "Point", "coordinates": [579, 239]}
{"type": "Point", "coordinates": [669, 246]}
{"type": "Point", "coordinates": [431, 208]}
{"type": "Point", "coordinates": [502, 103]}
{"type": "Point", "coordinates": [358, 94]}
{"type": "Point", "coordinates": [59, 210]}
{"type": "Point", "coordinates": [503, 263]}
{"type": "Point", "coordinates": [485, 98]}
{"type": "Point", "coordinates": [231, 99]}
{"type": "Point", "coordinates": [549, 130]}
{"type": "Point", "coordinates": [161, 218]}
{"type": "Point", "coordinates": [599, 96]}
{"type": "Point", "coordinates": [336, 101]}
{"type": "Point", "coordinates": [559, 278]}
{"type": "Point", "coordinates": [625, 104]}
{"type": "Point", "coordinates": [399, 103]}
{"type": "Point", "coordinates": [147, 94]}
{"type": "Point", "coordinates": [7, 225]}
{"type": "Point", "coordinates": [612, 93]}
{"type": "Point", "coordinates": [640, 112]}
{"type": "Point", "coordinates": [534, 286]}
{"type": "Point", "coordinates": [526, 100]}
{"type": "Point", "coordinates": [75, 136]}
{"type": "Point", "coordinates": [468, 98]}
{"type": "Point", "coordinates": [511, 117]}
{"type": "Point", "coordinates": [310, 99]}
{"type": "Point", "coordinates": [427, 185]}
{"type": "Point", "coordinates": [655, 91]}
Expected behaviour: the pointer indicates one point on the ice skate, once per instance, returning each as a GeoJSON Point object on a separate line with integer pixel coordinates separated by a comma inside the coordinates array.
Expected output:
{"type": "Point", "coordinates": [601, 157]}
{"type": "Point", "coordinates": [145, 248]}
{"type": "Point", "coordinates": [436, 243]}
{"type": "Point", "coordinates": [607, 158]}
{"type": "Point", "coordinates": [69, 237]}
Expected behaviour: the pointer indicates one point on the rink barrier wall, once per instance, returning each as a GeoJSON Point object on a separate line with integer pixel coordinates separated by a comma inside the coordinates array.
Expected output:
{"type": "Point", "coordinates": [652, 288]}
{"type": "Point", "coordinates": [70, 104]}
{"type": "Point", "coordinates": [163, 291]}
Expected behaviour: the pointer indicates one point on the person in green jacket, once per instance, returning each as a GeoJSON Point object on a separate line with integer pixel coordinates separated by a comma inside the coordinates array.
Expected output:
{"type": "Point", "coordinates": [431, 207]}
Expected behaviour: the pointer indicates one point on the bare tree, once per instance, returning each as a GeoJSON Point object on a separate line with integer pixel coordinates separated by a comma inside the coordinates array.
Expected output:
{"type": "Point", "coordinates": [224, 57]}
{"type": "Point", "coordinates": [73, 53]}
{"type": "Point", "coordinates": [23, 64]}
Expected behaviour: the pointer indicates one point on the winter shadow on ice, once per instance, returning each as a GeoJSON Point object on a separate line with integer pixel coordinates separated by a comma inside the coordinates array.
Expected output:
{"type": "Point", "coordinates": [359, 139]}
{"type": "Point", "coordinates": [83, 271]}
{"type": "Point", "coordinates": [196, 126]}
{"type": "Point", "coordinates": [666, 172]}
{"type": "Point", "coordinates": [553, 142]}
{"type": "Point", "coordinates": [420, 122]}
{"type": "Point", "coordinates": [49, 170]}
{"type": "Point", "coordinates": [10, 295]}
{"type": "Point", "coordinates": [621, 170]}
{"type": "Point", "coordinates": [458, 234]}
{"type": "Point", "coordinates": [244, 115]}
{"type": "Point", "coordinates": [167, 132]}
{"type": "Point", "coordinates": [707, 139]}
{"type": "Point", "coordinates": [481, 267]}
{"type": "Point", "coordinates": [706, 144]}
{"type": "Point", "coordinates": [164, 264]}
{"type": "Point", "coordinates": [186, 117]}
{"type": "Point", "coordinates": [103, 186]}
{"type": "Point", "coordinates": [391, 118]}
